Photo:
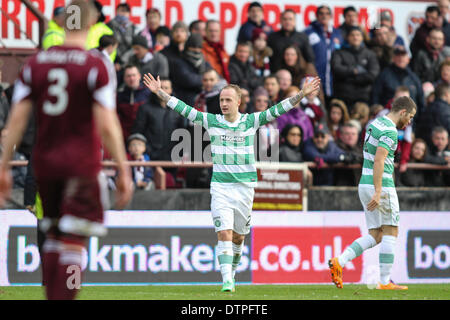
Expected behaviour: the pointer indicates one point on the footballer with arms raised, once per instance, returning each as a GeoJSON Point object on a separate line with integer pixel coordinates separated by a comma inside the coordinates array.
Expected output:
{"type": "Point", "coordinates": [377, 194]}
{"type": "Point", "coordinates": [234, 173]}
{"type": "Point", "coordinates": [73, 94]}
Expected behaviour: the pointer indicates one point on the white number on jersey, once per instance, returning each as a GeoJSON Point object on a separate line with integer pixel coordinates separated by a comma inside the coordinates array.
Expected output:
{"type": "Point", "coordinates": [57, 90]}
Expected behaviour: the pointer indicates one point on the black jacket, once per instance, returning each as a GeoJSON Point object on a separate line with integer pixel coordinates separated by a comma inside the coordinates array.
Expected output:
{"type": "Point", "coordinates": [289, 153]}
{"type": "Point", "coordinates": [384, 53]}
{"type": "Point", "coordinates": [172, 53]}
{"type": "Point", "coordinates": [353, 155]}
{"type": "Point", "coordinates": [243, 74]}
{"type": "Point", "coordinates": [438, 178]}
{"type": "Point", "coordinates": [426, 67]}
{"type": "Point", "coordinates": [157, 125]}
{"type": "Point", "coordinates": [436, 114]}
{"type": "Point", "coordinates": [349, 85]}
{"type": "Point", "coordinates": [421, 178]}
{"type": "Point", "coordinates": [281, 39]}
{"type": "Point", "coordinates": [391, 78]}
{"type": "Point", "coordinates": [186, 80]}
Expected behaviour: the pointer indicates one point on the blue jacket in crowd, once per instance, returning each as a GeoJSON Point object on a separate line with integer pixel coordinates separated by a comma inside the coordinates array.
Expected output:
{"type": "Point", "coordinates": [331, 154]}
{"type": "Point", "coordinates": [323, 48]}
{"type": "Point", "coordinates": [246, 30]}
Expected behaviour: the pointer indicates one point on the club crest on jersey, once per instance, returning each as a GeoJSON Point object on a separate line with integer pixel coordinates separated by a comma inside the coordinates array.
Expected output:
{"type": "Point", "coordinates": [241, 126]}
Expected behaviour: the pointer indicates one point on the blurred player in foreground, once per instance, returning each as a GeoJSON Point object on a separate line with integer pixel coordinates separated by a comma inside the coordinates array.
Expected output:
{"type": "Point", "coordinates": [377, 194]}
{"type": "Point", "coordinates": [73, 93]}
{"type": "Point", "coordinates": [234, 172]}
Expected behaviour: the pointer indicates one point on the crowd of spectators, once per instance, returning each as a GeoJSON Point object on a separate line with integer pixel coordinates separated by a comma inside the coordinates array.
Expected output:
{"type": "Point", "coordinates": [361, 72]}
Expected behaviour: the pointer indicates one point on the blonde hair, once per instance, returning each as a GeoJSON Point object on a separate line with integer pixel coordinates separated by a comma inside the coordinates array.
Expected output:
{"type": "Point", "coordinates": [360, 111]}
{"type": "Point", "coordinates": [235, 88]}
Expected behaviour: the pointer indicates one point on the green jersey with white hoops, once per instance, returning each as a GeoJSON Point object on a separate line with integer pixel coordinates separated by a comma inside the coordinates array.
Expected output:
{"type": "Point", "coordinates": [232, 146]}
{"type": "Point", "coordinates": [382, 132]}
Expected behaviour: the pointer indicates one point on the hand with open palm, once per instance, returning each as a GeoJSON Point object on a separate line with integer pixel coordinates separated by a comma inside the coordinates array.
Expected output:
{"type": "Point", "coordinates": [311, 85]}
{"type": "Point", "coordinates": [154, 85]}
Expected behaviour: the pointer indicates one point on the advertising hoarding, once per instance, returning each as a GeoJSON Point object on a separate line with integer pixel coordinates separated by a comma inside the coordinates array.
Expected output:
{"type": "Point", "coordinates": [172, 247]}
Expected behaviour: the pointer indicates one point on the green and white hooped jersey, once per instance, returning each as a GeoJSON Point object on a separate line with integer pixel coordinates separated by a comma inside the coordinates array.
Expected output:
{"type": "Point", "coordinates": [232, 147]}
{"type": "Point", "coordinates": [382, 132]}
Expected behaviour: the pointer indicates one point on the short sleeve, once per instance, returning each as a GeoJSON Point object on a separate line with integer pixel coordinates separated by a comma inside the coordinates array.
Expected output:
{"type": "Point", "coordinates": [388, 140]}
{"type": "Point", "coordinates": [102, 82]}
{"type": "Point", "coordinates": [22, 86]}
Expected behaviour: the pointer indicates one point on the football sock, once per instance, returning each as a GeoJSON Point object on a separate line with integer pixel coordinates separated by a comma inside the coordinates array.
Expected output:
{"type": "Point", "coordinates": [225, 256]}
{"type": "Point", "coordinates": [51, 251]}
{"type": "Point", "coordinates": [237, 253]}
{"type": "Point", "coordinates": [386, 258]}
{"type": "Point", "coordinates": [356, 249]}
{"type": "Point", "coordinates": [63, 260]}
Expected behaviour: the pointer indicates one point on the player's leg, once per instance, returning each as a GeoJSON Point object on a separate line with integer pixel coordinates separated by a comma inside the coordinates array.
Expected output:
{"type": "Point", "coordinates": [222, 215]}
{"type": "Point", "coordinates": [390, 220]}
{"type": "Point", "coordinates": [354, 250]}
{"type": "Point", "coordinates": [81, 215]}
{"type": "Point", "coordinates": [359, 246]}
{"type": "Point", "coordinates": [242, 220]}
{"type": "Point", "coordinates": [387, 253]}
{"type": "Point", "coordinates": [386, 258]}
{"type": "Point", "coordinates": [225, 257]}
{"type": "Point", "coordinates": [238, 245]}
{"type": "Point", "coordinates": [51, 194]}
{"type": "Point", "coordinates": [68, 275]}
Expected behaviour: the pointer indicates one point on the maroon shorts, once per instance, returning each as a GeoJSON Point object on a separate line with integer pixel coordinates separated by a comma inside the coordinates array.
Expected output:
{"type": "Point", "coordinates": [74, 205]}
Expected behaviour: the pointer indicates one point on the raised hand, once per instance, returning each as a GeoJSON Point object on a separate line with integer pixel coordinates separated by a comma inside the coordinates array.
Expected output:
{"type": "Point", "coordinates": [311, 85]}
{"type": "Point", "coordinates": [154, 85]}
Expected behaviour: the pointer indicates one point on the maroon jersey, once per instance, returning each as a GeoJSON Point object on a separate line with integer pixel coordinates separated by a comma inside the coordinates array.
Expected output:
{"type": "Point", "coordinates": [63, 83]}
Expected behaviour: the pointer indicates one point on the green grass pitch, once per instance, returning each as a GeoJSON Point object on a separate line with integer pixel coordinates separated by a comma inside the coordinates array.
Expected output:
{"type": "Point", "coordinates": [243, 292]}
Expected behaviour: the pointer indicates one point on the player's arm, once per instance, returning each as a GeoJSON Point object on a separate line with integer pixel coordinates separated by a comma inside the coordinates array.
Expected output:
{"type": "Point", "coordinates": [264, 117]}
{"type": "Point", "coordinates": [154, 85]}
{"type": "Point", "coordinates": [16, 126]}
{"type": "Point", "coordinates": [378, 169]}
{"type": "Point", "coordinates": [110, 131]}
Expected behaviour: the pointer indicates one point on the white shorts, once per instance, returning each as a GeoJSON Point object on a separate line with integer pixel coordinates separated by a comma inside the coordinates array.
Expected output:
{"type": "Point", "coordinates": [388, 211]}
{"type": "Point", "coordinates": [231, 208]}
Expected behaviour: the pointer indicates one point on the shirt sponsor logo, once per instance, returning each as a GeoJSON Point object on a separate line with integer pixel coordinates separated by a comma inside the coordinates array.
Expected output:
{"type": "Point", "coordinates": [226, 138]}
{"type": "Point", "coordinates": [387, 141]}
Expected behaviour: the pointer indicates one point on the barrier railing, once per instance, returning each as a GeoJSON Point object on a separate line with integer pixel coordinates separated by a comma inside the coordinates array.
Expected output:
{"type": "Point", "coordinates": [312, 165]}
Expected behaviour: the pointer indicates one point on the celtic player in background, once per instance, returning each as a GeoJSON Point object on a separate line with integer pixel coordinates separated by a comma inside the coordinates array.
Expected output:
{"type": "Point", "coordinates": [234, 172]}
{"type": "Point", "coordinates": [377, 194]}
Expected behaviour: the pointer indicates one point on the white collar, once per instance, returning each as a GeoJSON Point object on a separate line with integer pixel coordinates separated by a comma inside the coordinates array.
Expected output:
{"type": "Point", "coordinates": [148, 56]}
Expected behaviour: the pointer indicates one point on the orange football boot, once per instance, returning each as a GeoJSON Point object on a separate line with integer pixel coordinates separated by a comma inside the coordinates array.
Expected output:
{"type": "Point", "coordinates": [336, 272]}
{"type": "Point", "coordinates": [391, 286]}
